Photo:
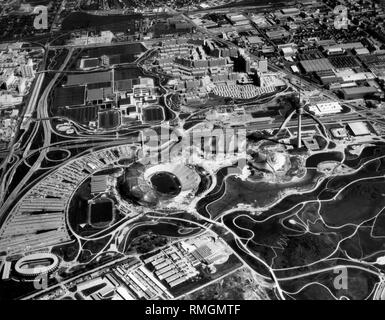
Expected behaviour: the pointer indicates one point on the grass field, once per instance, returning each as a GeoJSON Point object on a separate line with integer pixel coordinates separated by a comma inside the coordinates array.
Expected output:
{"type": "Point", "coordinates": [357, 203]}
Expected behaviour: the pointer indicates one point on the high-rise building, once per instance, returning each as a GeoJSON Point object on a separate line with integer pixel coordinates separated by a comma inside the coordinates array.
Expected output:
{"type": "Point", "coordinates": [242, 64]}
{"type": "Point", "coordinates": [262, 65]}
{"type": "Point", "coordinates": [22, 86]}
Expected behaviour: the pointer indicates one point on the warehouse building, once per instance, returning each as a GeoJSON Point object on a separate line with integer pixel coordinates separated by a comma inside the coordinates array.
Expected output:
{"type": "Point", "coordinates": [316, 65]}
{"type": "Point", "coordinates": [358, 92]}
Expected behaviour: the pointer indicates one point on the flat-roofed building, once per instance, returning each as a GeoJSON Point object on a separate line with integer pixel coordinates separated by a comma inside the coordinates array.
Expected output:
{"type": "Point", "coordinates": [326, 108]}
{"type": "Point", "coordinates": [287, 13]}
{"type": "Point", "coordinates": [358, 92]}
{"type": "Point", "coordinates": [290, 11]}
{"type": "Point", "coordinates": [277, 34]}
{"type": "Point", "coordinates": [316, 65]}
{"type": "Point", "coordinates": [87, 78]}
{"type": "Point", "coordinates": [99, 183]}
{"type": "Point", "coordinates": [361, 51]}
{"type": "Point", "coordinates": [254, 40]}
{"type": "Point", "coordinates": [359, 128]}
{"type": "Point", "coordinates": [6, 270]}
{"type": "Point", "coordinates": [339, 133]}
{"type": "Point", "coordinates": [311, 144]}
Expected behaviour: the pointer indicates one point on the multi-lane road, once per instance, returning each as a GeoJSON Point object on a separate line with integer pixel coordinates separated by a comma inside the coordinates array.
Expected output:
{"type": "Point", "coordinates": [42, 112]}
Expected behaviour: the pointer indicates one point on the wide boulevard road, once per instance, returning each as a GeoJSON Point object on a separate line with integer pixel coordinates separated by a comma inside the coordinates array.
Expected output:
{"type": "Point", "coordinates": [42, 112]}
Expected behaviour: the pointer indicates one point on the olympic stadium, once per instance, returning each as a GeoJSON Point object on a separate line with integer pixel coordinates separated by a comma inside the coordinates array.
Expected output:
{"type": "Point", "coordinates": [159, 184]}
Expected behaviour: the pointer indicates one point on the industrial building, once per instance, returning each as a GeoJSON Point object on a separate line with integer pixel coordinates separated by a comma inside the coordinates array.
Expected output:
{"type": "Point", "coordinates": [316, 65]}
{"type": "Point", "coordinates": [358, 92]}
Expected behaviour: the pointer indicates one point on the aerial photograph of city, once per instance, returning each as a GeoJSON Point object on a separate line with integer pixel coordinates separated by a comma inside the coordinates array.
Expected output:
{"type": "Point", "coordinates": [192, 150]}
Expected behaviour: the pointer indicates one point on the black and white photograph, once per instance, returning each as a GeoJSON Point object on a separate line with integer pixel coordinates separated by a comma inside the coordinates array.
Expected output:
{"type": "Point", "coordinates": [189, 155]}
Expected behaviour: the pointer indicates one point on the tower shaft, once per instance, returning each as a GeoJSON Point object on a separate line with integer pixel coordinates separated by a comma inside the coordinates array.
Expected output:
{"type": "Point", "coordinates": [299, 130]}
